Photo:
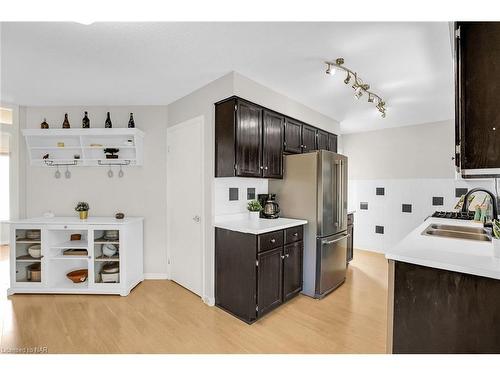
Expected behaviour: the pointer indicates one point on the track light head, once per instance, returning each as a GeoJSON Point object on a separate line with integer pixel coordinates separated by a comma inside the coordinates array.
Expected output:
{"type": "Point", "coordinates": [329, 70]}
{"type": "Point", "coordinates": [347, 79]}
{"type": "Point", "coordinates": [370, 98]}
{"type": "Point", "coordinates": [358, 93]}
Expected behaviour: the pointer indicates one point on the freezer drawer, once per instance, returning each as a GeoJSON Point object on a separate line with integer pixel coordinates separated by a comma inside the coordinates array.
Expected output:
{"type": "Point", "coordinates": [330, 263]}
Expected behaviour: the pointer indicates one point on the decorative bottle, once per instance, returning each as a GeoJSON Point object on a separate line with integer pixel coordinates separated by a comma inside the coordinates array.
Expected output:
{"type": "Point", "coordinates": [66, 122]}
{"type": "Point", "coordinates": [107, 123]}
{"type": "Point", "coordinates": [44, 124]}
{"type": "Point", "coordinates": [85, 121]}
{"type": "Point", "coordinates": [131, 123]}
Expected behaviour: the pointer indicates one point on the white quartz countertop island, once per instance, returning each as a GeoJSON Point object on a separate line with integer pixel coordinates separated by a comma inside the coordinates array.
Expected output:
{"type": "Point", "coordinates": [459, 255]}
{"type": "Point", "coordinates": [242, 223]}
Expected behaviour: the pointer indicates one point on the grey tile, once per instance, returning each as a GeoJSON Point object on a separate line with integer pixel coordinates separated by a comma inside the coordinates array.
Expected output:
{"type": "Point", "coordinates": [460, 191]}
{"type": "Point", "coordinates": [250, 193]}
{"type": "Point", "coordinates": [233, 194]}
{"type": "Point", "coordinates": [363, 205]}
{"type": "Point", "coordinates": [437, 201]}
{"type": "Point", "coordinates": [380, 191]}
{"type": "Point", "coordinates": [406, 207]}
{"type": "Point", "coordinates": [379, 229]}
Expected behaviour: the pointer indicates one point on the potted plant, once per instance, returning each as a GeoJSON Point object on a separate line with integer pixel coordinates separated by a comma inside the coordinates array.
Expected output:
{"type": "Point", "coordinates": [83, 209]}
{"type": "Point", "coordinates": [254, 207]}
{"type": "Point", "coordinates": [496, 238]}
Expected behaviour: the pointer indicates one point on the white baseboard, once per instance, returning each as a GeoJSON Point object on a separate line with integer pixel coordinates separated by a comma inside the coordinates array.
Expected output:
{"type": "Point", "coordinates": [155, 276]}
{"type": "Point", "coordinates": [210, 301]}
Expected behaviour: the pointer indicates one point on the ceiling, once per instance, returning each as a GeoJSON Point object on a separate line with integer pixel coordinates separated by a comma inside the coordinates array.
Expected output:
{"type": "Point", "coordinates": [408, 64]}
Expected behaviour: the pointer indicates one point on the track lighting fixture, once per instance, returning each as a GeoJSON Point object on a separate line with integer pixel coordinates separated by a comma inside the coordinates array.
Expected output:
{"type": "Point", "coordinates": [359, 86]}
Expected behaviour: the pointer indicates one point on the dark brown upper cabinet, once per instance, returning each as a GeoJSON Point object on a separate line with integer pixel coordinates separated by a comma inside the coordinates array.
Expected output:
{"type": "Point", "coordinates": [332, 142]}
{"type": "Point", "coordinates": [308, 138]}
{"type": "Point", "coordinates": [250, 140]}
{"type": "Point", "coordinates": [477, 113]}
{"type": "Point", "coordinates": [293, 136]}
{"type": "Point", "coordinates": [322, 140]}
{"type": "Point", "coordinates": [272, 144]}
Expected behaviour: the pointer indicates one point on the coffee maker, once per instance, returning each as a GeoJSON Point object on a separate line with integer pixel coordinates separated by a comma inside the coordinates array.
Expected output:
{"type": "Point", "coordinates": [270, 209]}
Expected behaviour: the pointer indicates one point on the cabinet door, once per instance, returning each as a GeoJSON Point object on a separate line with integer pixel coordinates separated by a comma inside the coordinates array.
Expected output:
{"type": "Point", "coordinates": [332, 142]}
{"type": "Point", "coordinates": [350, 243]}
{"type": "Point", "coordinates": [272, 145]}
{"type": "Point", "coordinates": [248, 140]}
{"type": "Point", "coordinates": [322, 140]}
{"type": "Point", "coordinates": [293, 139]}
{"type": "Point", "coordinates": [477, 107]}
{"type": "Point", "coordinates": [292, 270]}
{"type": "Point", "coordinates": [308, 138]}
{"type": "Point", "coordinates": [269, 286]}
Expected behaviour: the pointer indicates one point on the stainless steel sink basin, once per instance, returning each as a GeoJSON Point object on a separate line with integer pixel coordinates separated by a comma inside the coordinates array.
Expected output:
{"type": "Point", "coordinates": [458, 232]}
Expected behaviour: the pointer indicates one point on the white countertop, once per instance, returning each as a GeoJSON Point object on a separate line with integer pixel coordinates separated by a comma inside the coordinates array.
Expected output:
{"type": "Point", "coordinates": [70, 220]}
{"type": "Point", "coordinates": [466, 256]}
{"type": "Point", "coordinates": [242, 223]}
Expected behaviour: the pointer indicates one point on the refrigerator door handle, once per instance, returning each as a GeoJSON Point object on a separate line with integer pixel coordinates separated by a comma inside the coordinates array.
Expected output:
{"type": "Point", "coordinates": [337, 240]}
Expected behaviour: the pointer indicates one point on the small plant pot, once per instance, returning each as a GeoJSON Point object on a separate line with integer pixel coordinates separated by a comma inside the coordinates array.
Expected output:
{"type": "Point", "coordinates": [83, 215]}
{"type": "Point", "coordinates": [496, 247]}
{"type": "Point", "coordinates": [254, 215]}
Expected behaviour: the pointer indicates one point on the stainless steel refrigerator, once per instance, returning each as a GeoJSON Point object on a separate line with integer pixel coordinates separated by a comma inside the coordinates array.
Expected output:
{"type": "Point", "coordinates": [314, 187]}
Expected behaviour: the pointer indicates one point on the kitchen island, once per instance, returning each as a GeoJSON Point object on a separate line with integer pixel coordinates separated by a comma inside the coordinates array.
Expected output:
{"type": "Point", "coordinates": [443, 291]}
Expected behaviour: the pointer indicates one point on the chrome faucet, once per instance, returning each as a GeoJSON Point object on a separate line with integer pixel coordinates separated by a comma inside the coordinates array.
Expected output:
{"type": "Point", "coordinates": [465, 207]}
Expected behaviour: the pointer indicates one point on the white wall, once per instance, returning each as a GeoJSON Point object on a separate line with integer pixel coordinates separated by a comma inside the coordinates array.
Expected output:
{"type": "Point", "coordinates": [224, 206]}
{"type": "Point", "coordinates": [201, 103]}
{"type": "Point", "coordinates": [141, 192]}
{"type": "Point", "coordinates": [413, 164]}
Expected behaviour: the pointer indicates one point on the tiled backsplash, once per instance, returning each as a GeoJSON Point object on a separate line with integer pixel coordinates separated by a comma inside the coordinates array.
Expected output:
{"type": "Point", "coordinates": [381, 220]}
{"type": "Point", "coordinates": [232, 193]}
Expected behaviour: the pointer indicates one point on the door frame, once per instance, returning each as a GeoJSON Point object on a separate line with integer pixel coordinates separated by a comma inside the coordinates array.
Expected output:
{"type": "Point", "coordinates": [14, 161]}
{"type": "Point", "coordinates": [200, 121]}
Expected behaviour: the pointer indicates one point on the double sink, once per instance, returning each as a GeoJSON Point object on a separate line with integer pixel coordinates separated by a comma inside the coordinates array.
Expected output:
{"type": "Point", "coordinates": [457, 232]}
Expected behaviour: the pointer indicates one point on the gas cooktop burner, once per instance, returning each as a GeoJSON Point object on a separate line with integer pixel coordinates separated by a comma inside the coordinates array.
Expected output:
{"type": "Point", "coordinates": [454, 215]}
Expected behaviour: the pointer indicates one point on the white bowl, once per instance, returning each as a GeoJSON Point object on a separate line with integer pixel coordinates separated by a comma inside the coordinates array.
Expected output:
{"type": "Point", "coordinates": [35, 251]}
{"type": "Point", "coordinates": [109, 249]}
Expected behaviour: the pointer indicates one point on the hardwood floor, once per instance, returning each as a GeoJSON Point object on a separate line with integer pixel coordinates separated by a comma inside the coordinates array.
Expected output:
{"type": "Point", "coordinates": [162, 317]}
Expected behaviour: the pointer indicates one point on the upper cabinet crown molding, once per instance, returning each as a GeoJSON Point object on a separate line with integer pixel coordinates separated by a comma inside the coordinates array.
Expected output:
{"type": "Point", "coordinates": [477, 113]}
{"type": "Point", "coordinates": [250, 139]}
{"type": "Point", "coordinates": [84, 147]}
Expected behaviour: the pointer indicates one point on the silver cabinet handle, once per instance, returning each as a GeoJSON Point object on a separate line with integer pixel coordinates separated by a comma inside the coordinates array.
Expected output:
{"type": "Point", "coordinates": [196, 219]}
{"type": "Point", "coordinates": [282, 257]}
{"type": "Point", "coordinates": [261, 167]}
{"type": "Point", "coordinates": [265, 168]}
{"type": "Point", "coordinates": [337, 240]}
{"type": "Point", "coordinates": [273, 240]}
{"type": "Point", "coordinates": [295, 234]}
{"type": "Point", "coordinates": [287, 255]}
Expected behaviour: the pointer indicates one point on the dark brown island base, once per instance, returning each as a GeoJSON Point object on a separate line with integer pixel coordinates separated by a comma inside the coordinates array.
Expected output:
{"type": "Point", "coordinates": [255, 273]}
{"type": "Point", "coordinates": [438, 311]}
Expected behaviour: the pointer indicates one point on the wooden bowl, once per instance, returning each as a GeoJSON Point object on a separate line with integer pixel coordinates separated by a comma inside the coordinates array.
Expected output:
{"type": "Point", "coordinates": [78, 276]}
{"type": "Point", "coordinates": [75, 237]}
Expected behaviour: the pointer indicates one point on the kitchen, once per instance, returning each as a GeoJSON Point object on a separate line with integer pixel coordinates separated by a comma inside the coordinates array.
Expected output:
{"type": "Point", "coordinates": [230, 207]}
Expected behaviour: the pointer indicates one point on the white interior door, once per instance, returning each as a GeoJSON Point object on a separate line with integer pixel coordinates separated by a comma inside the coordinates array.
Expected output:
{"type": "Point", "coordinates": [185, 204]}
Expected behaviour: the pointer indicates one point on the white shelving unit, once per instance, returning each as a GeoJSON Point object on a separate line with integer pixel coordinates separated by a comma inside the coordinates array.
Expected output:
{"type": "Point", "coordinates": [88, 144]}
{"type": "Point", "coordinates": [54, 239]}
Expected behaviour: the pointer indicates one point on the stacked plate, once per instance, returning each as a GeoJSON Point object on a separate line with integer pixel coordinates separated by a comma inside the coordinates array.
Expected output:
{"type": "Point", "coordinates": [111, 235]}
{"type": "Point", "coordinates": [33, 234]}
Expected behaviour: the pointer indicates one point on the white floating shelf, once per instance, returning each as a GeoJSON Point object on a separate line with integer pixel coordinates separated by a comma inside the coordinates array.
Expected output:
{"type": "Point", "coordinates": [88, 144]}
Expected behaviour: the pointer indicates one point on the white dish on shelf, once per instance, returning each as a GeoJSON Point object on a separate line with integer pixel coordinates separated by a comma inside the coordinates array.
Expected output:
{"type": "Point", "coordinates": [110, 277]}
{"type": "Point", "coordinates": [109, 250]}
{"type": "Point", "coordinates": [35, 251]}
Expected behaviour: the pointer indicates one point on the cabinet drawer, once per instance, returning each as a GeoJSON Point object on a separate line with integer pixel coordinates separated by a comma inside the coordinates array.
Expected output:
{"type": "Point", "coordinates": [270, 240]}
{"type": "Point", "coordinates": [294, 234]}
{"type": "Point", "coordinates": [350, 219]}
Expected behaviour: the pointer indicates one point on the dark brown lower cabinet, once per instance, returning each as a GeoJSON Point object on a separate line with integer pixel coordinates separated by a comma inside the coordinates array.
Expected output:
{"type": "Point", "coordinates": [292, 272]}
{"type": "Point", "coordinates": [350, 239]}
{"type": "Point", "coordinates": [251, 276]}
{"type": "Point", "coordinates": [436, 311]}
